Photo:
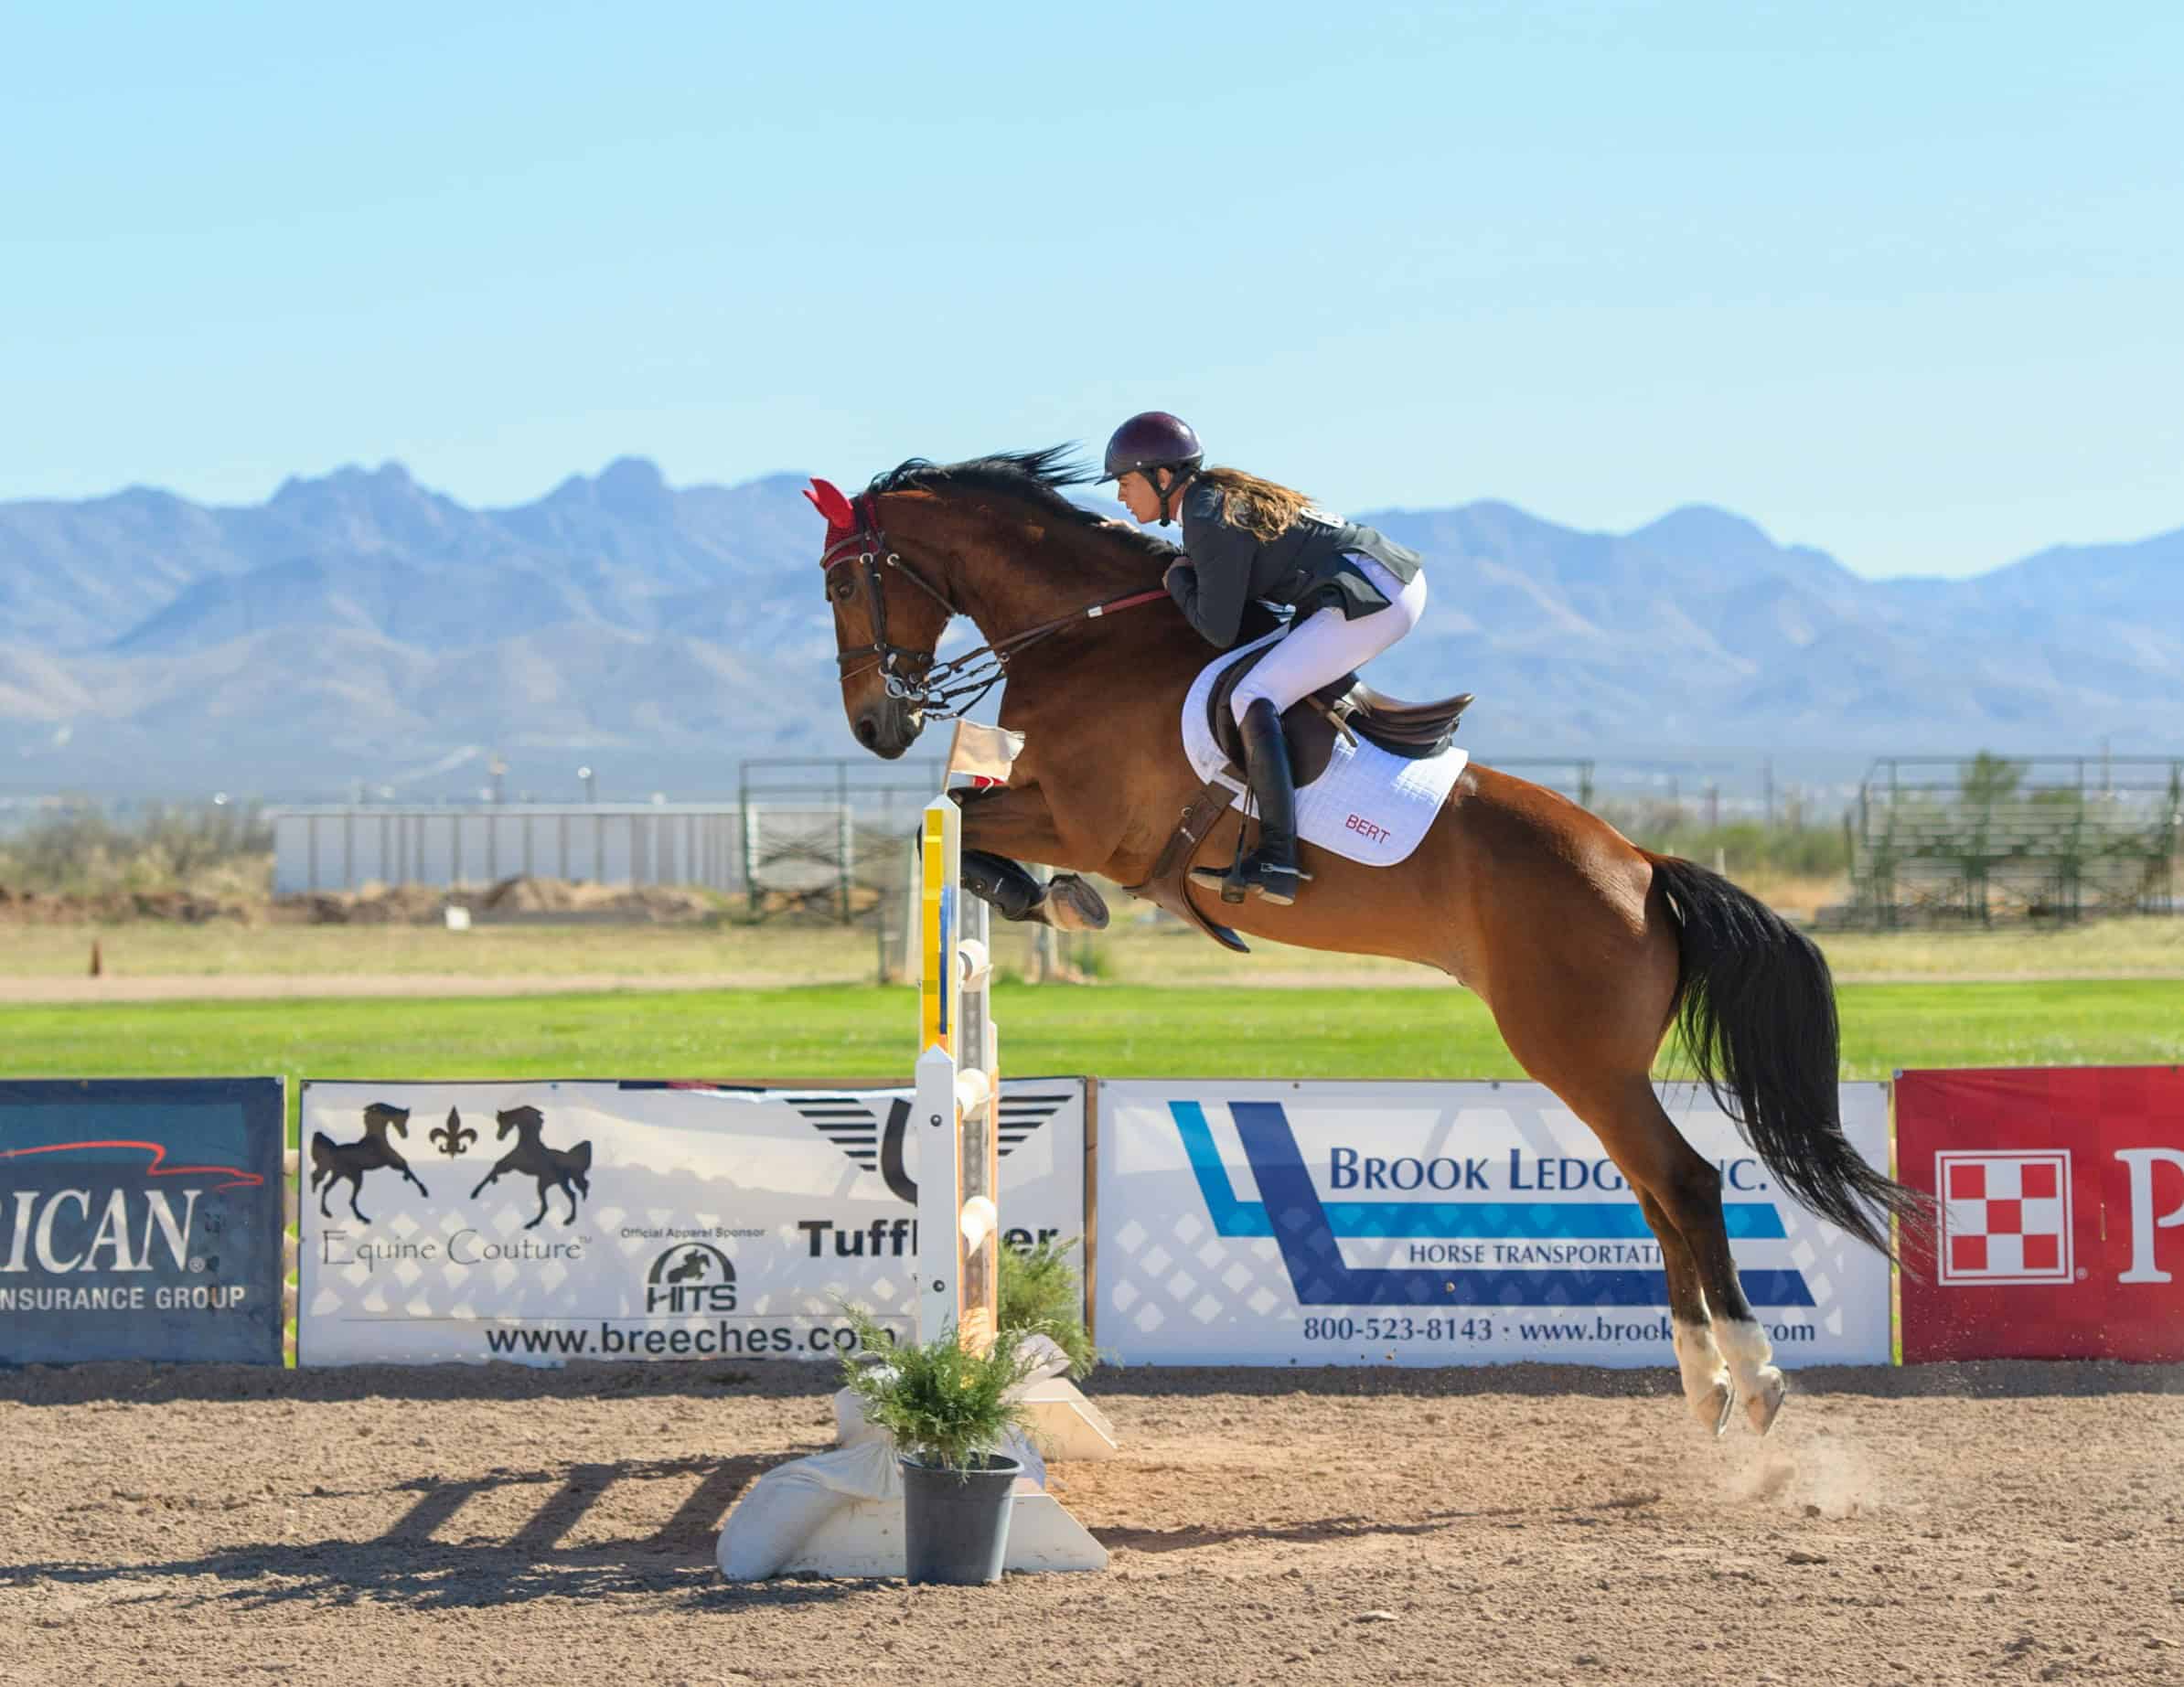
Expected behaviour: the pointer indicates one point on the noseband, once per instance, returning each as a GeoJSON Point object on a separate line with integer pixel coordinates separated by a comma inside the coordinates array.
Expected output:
{"type": "Point", "coordinates": [938, 691]}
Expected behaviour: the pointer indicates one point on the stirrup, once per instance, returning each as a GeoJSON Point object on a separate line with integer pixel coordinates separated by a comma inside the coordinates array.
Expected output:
{"type": "Point", "coordinates": [1238, 881]}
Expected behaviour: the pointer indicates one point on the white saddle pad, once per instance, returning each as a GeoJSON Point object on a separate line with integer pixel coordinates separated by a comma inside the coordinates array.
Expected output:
{"type": "Point", "coordinates": [1368, 807]}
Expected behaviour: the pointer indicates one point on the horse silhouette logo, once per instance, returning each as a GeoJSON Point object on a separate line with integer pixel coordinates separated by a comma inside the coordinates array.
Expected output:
{"type": "Point", "coordinates": [332, 1161]}
{"type": "Point", "coordinates": [563, 1168]}
{"type": "Point", "coordinates": [690, 1277]}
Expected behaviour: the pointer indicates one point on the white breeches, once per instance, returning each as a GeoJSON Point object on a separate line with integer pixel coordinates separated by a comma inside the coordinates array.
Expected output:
{"type": "Point", "coordinates": [1324, 645]}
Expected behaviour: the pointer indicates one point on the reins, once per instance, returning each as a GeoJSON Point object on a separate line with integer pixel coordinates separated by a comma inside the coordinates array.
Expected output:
{"type": "Point", "coordinates": [935, 689]}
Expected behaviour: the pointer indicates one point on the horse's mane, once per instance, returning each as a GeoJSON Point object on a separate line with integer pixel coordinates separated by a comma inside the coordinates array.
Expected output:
{"type": "Point", "coordinates": [1034, 477]}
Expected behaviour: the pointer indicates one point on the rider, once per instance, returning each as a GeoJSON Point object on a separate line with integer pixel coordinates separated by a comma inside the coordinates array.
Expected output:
{"type": "Point", "coordinates": [1355, 592]}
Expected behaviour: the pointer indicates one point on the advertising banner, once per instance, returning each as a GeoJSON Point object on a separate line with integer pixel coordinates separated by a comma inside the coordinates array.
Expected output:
{"type": "Point", "coordinates": [541, 1222]}
{"type": "Point", "coordinates": [141, 1219]}
{"type": "Point", "coordinates": [2062, 1194]}
{"type": "Point", "coordinates": [1274, 1224]}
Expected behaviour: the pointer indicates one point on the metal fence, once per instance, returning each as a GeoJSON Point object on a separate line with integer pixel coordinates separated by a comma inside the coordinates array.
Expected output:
{"type": "Point", "coordinates": [341, 846]}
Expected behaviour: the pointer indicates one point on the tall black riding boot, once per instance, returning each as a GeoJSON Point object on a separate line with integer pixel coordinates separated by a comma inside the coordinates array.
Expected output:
{"type": "Point", "coordinates": [1271, 867]}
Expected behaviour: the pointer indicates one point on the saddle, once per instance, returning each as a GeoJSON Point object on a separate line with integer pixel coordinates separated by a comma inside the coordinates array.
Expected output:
{"type": "Point", "coordinates": [1413, 731]}
{"type": "Point", "coordinates": [1348, 706]}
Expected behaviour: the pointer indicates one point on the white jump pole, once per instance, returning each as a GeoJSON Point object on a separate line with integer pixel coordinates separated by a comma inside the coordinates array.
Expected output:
{"type": "Point", "coordinates": [957, 1097]}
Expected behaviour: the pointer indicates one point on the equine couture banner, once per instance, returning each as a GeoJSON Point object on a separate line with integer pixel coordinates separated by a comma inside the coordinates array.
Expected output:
{"type": "Point", "coordinates": [542, 1221]}
{"type": "Point", "coordinates": [1437, 1224]}
{"type": "Point", "coordinates": [141, 1219]}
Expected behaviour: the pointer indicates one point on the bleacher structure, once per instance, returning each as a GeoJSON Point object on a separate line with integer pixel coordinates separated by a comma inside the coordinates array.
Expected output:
{"type": "Point", "coordinates": [1948, 842]}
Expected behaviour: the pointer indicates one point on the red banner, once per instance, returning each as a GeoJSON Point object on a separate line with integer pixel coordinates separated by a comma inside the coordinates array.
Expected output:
{"type": "Point", "coordinates": [2062, 1194]}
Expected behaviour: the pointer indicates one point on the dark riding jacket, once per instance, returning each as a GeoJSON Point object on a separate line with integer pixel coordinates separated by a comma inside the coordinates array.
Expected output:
{"type": "Point", "coordinates": [1310, 565]}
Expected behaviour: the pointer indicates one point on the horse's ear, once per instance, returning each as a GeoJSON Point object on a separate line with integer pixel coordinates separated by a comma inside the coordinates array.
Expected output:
{"type": "Point", "coordinates": [826, 498]}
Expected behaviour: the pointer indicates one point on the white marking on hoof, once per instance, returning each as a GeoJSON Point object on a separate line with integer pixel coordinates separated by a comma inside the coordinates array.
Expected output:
{"type": "Point", "coordinates": [1761, 1404]}
{"type": "Point", "coordinates": [1751, 1363]}
{"type": "Point", "coordinates": [1706, 1377]}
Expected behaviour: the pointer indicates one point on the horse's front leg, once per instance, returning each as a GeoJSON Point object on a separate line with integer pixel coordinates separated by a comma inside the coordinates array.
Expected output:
{"type": "Point", "coordinates": [492, 1176]}
{"type": "Point", "coordinates": [1001, 827]}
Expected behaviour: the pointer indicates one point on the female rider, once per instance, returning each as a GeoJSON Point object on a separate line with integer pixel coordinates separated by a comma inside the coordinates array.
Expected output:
{"type": "Point", "coordinates": [1354, 591]}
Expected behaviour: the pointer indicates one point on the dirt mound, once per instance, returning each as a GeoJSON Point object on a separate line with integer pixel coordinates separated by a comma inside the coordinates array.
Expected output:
{"type": "Point", "coordinates": [516, 899]}
{"type": "Point", "coordinates": [114, 907]}
{"type": "Point", "coordinates": [511, 900]}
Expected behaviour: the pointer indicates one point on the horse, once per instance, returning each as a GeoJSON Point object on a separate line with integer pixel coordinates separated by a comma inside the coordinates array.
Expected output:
{"type": "Point", "coordinates": [1587, 950]}
{"type": "Point", "coordinates": [331, 1161]}
{"type": "Point", "coordinates": [562, 1168]}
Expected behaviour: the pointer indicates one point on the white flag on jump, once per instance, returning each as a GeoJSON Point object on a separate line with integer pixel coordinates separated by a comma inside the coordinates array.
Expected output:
{"type": "Point", "coordinates": [984, 752]}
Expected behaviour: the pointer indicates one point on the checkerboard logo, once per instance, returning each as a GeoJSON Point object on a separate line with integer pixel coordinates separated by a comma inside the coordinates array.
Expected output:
{"type": "Point", "coordinates": [2005, 1217]}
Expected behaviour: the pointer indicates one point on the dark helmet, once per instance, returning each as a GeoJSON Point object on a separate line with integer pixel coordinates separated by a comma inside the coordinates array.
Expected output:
{"type": "Point", "coordinates": [1150, 441]}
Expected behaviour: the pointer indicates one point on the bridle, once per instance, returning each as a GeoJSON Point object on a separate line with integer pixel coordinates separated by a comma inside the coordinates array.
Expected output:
{"type": "Point", "coordinates": [933, 689]}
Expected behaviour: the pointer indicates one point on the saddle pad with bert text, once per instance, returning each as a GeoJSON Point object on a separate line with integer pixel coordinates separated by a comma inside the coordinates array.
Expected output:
{"type": "Point", "coordinates": [1368, 807]}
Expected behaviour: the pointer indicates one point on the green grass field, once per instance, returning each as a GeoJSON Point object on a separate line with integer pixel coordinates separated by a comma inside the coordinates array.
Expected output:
{"type": "Point", "coordinates": [864, 1033]}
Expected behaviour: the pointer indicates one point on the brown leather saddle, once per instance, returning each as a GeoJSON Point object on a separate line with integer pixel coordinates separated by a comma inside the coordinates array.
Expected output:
{"type": "Point", "coordinates": [1348, 706]}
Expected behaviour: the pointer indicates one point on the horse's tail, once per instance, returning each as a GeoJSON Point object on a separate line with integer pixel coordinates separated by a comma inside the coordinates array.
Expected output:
{"type": "Point", "coordinates": [322, 1149]}
{"type": "Point", "coordinates": [1755, 1010]}
{"type": "Point", "coordinates": [579, 1158]}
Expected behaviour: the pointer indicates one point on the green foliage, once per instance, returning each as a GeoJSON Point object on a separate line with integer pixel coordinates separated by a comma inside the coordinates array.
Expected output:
{"type": "Point", "coordinates": [1042, 1294]}
{"type": "Point", "coordinates": [854, 1033]}
{"type": "Point", "coordinates": [1990, 778]}
{"type": "Point", "coordinates": [1745, 845]}
{"type": "Point", "coordinates": [80, 848]}
{"type": "Point", "coordinates": [942, 1404]}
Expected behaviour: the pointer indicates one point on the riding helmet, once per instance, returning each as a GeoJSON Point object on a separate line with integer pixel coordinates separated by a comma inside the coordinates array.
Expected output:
{"type": "Point", "coordinates": [1151, 440]}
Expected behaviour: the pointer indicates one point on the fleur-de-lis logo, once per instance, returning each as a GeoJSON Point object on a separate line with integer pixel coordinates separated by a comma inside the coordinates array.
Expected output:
{"type": "Point", "coordinates": [453, 1136]}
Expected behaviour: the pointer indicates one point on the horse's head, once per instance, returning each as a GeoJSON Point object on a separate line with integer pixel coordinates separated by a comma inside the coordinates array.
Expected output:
{"type": "Point", "coordinates": [887, 622]}
{"type": "Point", "coordinates": [994, 539]}
{"type": "Point", "coordinates": [382, 1117]}
{"type": "Point", "coordinates": [516, 1118]}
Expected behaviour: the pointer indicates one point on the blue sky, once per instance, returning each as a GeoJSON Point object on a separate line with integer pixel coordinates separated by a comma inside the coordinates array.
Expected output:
{"type": "Point", "coordinates": [1900, 281]}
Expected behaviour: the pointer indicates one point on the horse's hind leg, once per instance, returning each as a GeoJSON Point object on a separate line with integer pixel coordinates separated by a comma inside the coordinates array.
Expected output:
{"type": "Point", "coordinates": [534, 1223]}
{"type": "Point", "coordinates": [1693, 1197]}
{"type": "Point", "coordinates": [569, 1190]}
{"type": "Point", "coordinates": [1686, 1187]}
{"type": "Point", "coordinates": [1601, 1065]}
{"type": "Point", "coordinates": [1706, 1375]}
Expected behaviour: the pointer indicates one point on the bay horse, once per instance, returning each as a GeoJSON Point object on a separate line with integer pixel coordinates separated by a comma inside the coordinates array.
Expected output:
{"type": "Point", "coordinates": [1587, 949]}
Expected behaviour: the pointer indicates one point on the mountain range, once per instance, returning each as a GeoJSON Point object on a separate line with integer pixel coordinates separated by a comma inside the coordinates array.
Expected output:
{"type": "Point", "coordinates": [361, 630]}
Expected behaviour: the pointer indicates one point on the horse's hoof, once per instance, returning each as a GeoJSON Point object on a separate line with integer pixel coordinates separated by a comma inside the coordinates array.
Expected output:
{"type": "Point", "coordinates": [1761, 1408]}
{"type": "Point", "coordinates": [1719, 1403]}
{"type": "Point", "coordinates": [1072, 906]}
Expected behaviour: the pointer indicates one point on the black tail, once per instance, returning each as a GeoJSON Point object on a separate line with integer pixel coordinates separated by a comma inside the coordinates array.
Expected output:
{"type": "Point", "coordinates": [1755, 1010]}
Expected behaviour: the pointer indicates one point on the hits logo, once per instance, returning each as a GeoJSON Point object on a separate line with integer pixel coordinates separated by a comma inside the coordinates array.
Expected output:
{"type": "Point", "coordinates": [690, 1277]}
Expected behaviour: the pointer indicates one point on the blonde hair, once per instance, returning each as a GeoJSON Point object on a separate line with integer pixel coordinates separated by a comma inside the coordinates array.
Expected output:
{"type": "Point", "coordinates": [1263, 508]}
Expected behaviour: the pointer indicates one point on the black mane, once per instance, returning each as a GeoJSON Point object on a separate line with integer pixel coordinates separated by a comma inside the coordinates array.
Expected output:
{"type": "Point", "coordinates": [1036, 476]}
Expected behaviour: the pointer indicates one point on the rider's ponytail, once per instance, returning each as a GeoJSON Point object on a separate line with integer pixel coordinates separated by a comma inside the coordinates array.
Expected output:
{"type": "Point", "coordinates": [1263, 508]}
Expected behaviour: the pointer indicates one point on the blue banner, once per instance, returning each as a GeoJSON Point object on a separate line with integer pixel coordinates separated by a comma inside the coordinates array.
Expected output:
{"type": "Point", "coordinates": [141, 1219]}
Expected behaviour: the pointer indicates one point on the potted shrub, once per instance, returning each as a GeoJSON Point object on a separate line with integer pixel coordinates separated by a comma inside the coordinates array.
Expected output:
{"type": "Point", "coordinates": [1042, 1294]}
{"type": "Point", "coordinates": [949, 1412]}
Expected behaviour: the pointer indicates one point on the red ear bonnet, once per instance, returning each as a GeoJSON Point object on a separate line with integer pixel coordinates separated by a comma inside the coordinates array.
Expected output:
{"type": "Point", "coordinates": [826, 498]}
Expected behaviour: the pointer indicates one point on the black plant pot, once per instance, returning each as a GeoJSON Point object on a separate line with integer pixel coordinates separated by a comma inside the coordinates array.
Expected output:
{"type": "Point", "coordinates": [955, 1522]}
